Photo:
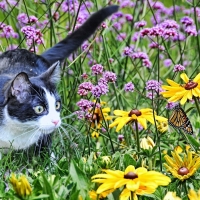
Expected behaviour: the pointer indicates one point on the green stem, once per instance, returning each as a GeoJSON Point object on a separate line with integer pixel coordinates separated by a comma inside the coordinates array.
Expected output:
{"type": "Point", "coordinates": [197, 104]}
{"type": "Point", "coordinates": [150, 163]}
{"type": "Point", "coordinates": [137, 136]}
{"type": "Point", "coordinates": [132, 195]}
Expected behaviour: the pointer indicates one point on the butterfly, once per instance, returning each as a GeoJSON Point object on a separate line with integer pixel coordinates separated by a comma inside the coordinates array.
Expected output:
{"type": "Point", "coordinates": [179, 120]}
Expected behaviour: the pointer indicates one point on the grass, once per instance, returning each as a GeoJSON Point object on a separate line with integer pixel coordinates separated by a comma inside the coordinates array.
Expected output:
{"type": "Point", "coordinates": [77, 155]}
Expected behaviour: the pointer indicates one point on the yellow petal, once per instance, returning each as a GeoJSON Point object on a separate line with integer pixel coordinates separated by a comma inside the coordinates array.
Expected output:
{"type": "Point", "coordinates": [130, 168]}
{"type": "Point", "coordinates": [142, 121]}
{"type": "Point", "coordinates": [121, 113]}
{"type": "Point", "coordinates": [172, 83]}
{"type": "Point", "coordinates": [184, 77]}
{"type": "Point", "coordinates": [197, 78]}
{"type": "Point", "coordinates": [123, 122]}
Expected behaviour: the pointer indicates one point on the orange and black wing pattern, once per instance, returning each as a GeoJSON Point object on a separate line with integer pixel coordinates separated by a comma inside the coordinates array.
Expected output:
{"type": "Point", "coordinates": [179, 120]}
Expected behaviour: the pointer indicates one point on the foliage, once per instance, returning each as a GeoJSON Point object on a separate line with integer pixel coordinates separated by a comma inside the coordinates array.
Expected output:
{"type": "Point", "coordinates": [125, 62]}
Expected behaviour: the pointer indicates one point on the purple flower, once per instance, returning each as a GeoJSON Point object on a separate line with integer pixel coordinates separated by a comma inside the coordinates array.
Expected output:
{"type": "Point", "coordinates": [109, 76]}
{"type": "Point", "coordinates": [103, 81]}
{"type": "Point", "coordinates": [84, 76]}
{"type": "Point", "coordinates": [99, 90]}
{"type": "Point", "coordinates": [117, 26]}
{"type": "Point", "coordinates": [70, 6]}
{"type": "Point", "coordinates": [84, 104]}
{"type": "Point", "coordinates": [147, 63]}
{"type": "Point", "coordinates": [167, 62]}
{"type": "Point", "coordinates": [127, 51]}
{"type": "Point", "coordinates": [121, 37]}
{"type": "Point", "coordinates": [129, 87]}
{"type": "Point", "coordinates": [187, 21]}
{"type": "Point", "coordinates": [145, 32]}
{"type": "Point", "coordinates": [7, 32]}
{"type": "Point", "coordinates": [170, 105]}
{"type": "Point", "coordinates": [178, 68]}
{"type": "Point", "coordinates": [140, 24]}
{"type": "Point", "coordinates": [179, 37]}
{"type": "Point", "coordinates": [3, 5]}
{"type": "Point", "coordinates": [157, 5]}
{"type": "Point", "coordinates": [129, 17]}
{"type": "Point", "coordinates": [150, 95]}
{"type": "Point", "coordinates": [23, 18]}
{"type": "Point", "coordinates": [140, 55]}
{"type": "Point", "coordinates": [136, 36]}
{"type": "Point", "coordinates": [80, 114]}
{"type": "Point", "coordinates": [32, 34]}
{"type": "Point", "coordinates": [97, 69]}
{"type": "Point", "coordinates": [120, 138]}
{"type": "Point", "coordinates": [169, 24]}
{"type": "Point", "coordinates": [85, 88]}
{"type": "Point", "coordinates": [171, 32]}
{"type": "Point", "coordinates": [155, 45]}
{"type": "Point", "coordinates": [154, 85]}
{"type": "Point", "coordinates": [191, 30]}
{"type": "Point", "coordinates": [140, 127]}
{"type": "Point", "coordinates": [126, 3]}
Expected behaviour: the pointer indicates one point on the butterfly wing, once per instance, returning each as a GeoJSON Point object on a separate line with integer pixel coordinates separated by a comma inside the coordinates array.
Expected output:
{"type": "Point", "coordinates": [179, 120]}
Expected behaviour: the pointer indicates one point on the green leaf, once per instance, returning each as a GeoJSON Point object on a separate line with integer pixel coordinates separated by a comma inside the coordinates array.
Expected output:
{"type": "Point", "coordinates": [129, 160]}
{"type": "Point", "coordinates": [79, 178]}
{"type": "Point", "coordinates": [47, 188]}
{"type": "Point", "coordinates": [194, 142]}
{"type": "Point", "coordinates": [42, 196]}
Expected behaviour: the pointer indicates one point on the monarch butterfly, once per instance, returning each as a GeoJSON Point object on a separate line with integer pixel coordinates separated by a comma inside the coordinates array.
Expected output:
{"type": "Point", "coordinates": [179, 120]}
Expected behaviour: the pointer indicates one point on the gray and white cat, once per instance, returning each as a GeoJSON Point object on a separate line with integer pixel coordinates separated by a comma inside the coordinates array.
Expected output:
{"type": "Point", "coordinates": [29, 103]}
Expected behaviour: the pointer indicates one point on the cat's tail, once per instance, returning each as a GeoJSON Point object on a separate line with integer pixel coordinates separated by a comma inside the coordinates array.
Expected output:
{"type": "Point", "coordinates": [65, 47]}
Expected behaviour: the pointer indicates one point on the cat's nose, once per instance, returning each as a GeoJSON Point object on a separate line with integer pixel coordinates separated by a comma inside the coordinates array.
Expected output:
{"type": "Point", "coordinates": [55, 122]}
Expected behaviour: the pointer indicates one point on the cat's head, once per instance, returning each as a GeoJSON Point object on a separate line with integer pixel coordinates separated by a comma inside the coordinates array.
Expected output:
{"type": "Point", "coordinates": [34, 100]}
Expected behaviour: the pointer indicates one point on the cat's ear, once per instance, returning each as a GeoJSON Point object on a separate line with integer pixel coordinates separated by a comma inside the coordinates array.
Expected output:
{"type": "Point", "coordinates": [53, 74]}
{"type": "Point", "coordinates": [20, 87]}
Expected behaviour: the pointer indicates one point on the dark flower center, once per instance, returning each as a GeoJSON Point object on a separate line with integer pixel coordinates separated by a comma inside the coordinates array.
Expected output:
{"type": "Point", "coordinates": [183, 171]}
{"type": "Point", "coordinates": [131, 175]}
{"type": "Point", "coordinates": [136, 112]}
{"type": "Point", "coordinates": [190, 85]}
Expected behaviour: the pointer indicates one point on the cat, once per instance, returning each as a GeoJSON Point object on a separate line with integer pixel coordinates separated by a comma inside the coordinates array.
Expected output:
{"type": "Point", "coordinates": [29, 103]}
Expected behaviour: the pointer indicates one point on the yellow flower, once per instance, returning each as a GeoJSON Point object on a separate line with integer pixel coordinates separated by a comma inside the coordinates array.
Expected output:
{"type": "Point", "coordinates": [171, 196]}
{"type": "Point", "coordinates": [139, 181]}
{"type": "Point", "coordinates": [147, 143]}
{"type": "Point", "coordinates": [95, 134]}
{"type": "Point", "coordinates": [178, 149]}
{"type": "Point", "coordinates": [20, 185]}
{"type": "Point", "coordinates": [193, 195]}
{"type": "Point", "coordinates": [182, 168]}
{"type": "Point", "coordinates": [142, 116]}
{"type": "Point", "coordinates": [182, 92]}
{"type": "Point", "coordinates": [162, 126]}
{"type": "Point", "coordinates": [93, 194]}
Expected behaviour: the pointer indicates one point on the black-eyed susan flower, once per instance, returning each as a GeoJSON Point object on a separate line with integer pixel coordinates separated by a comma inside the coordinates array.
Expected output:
{"type": "Point", "coordinates": [182, 92]}
{"type": "Point", "coordinates": [162, 126]}
{"type": "Point", "coordinates": [141, 116]}
{"type": "Point", "coordinates": [137, 181]}
{"type": "Point", "coordinates": [182, 167]}
{"type": "Point", "coordinates": [21, 185]}
{"type": "Point", "coordinates": [171, 196]}
{"type": "Point", "coordinates": [194, 195]}
{"type": "Point", "coordinates": [147, 143]}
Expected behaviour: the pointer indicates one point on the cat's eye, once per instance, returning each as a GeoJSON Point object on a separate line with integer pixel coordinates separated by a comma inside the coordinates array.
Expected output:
{"type": "Point", "coordinates": [38, 109]}
{"type": "Point", "coordinates": [58, 105]}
